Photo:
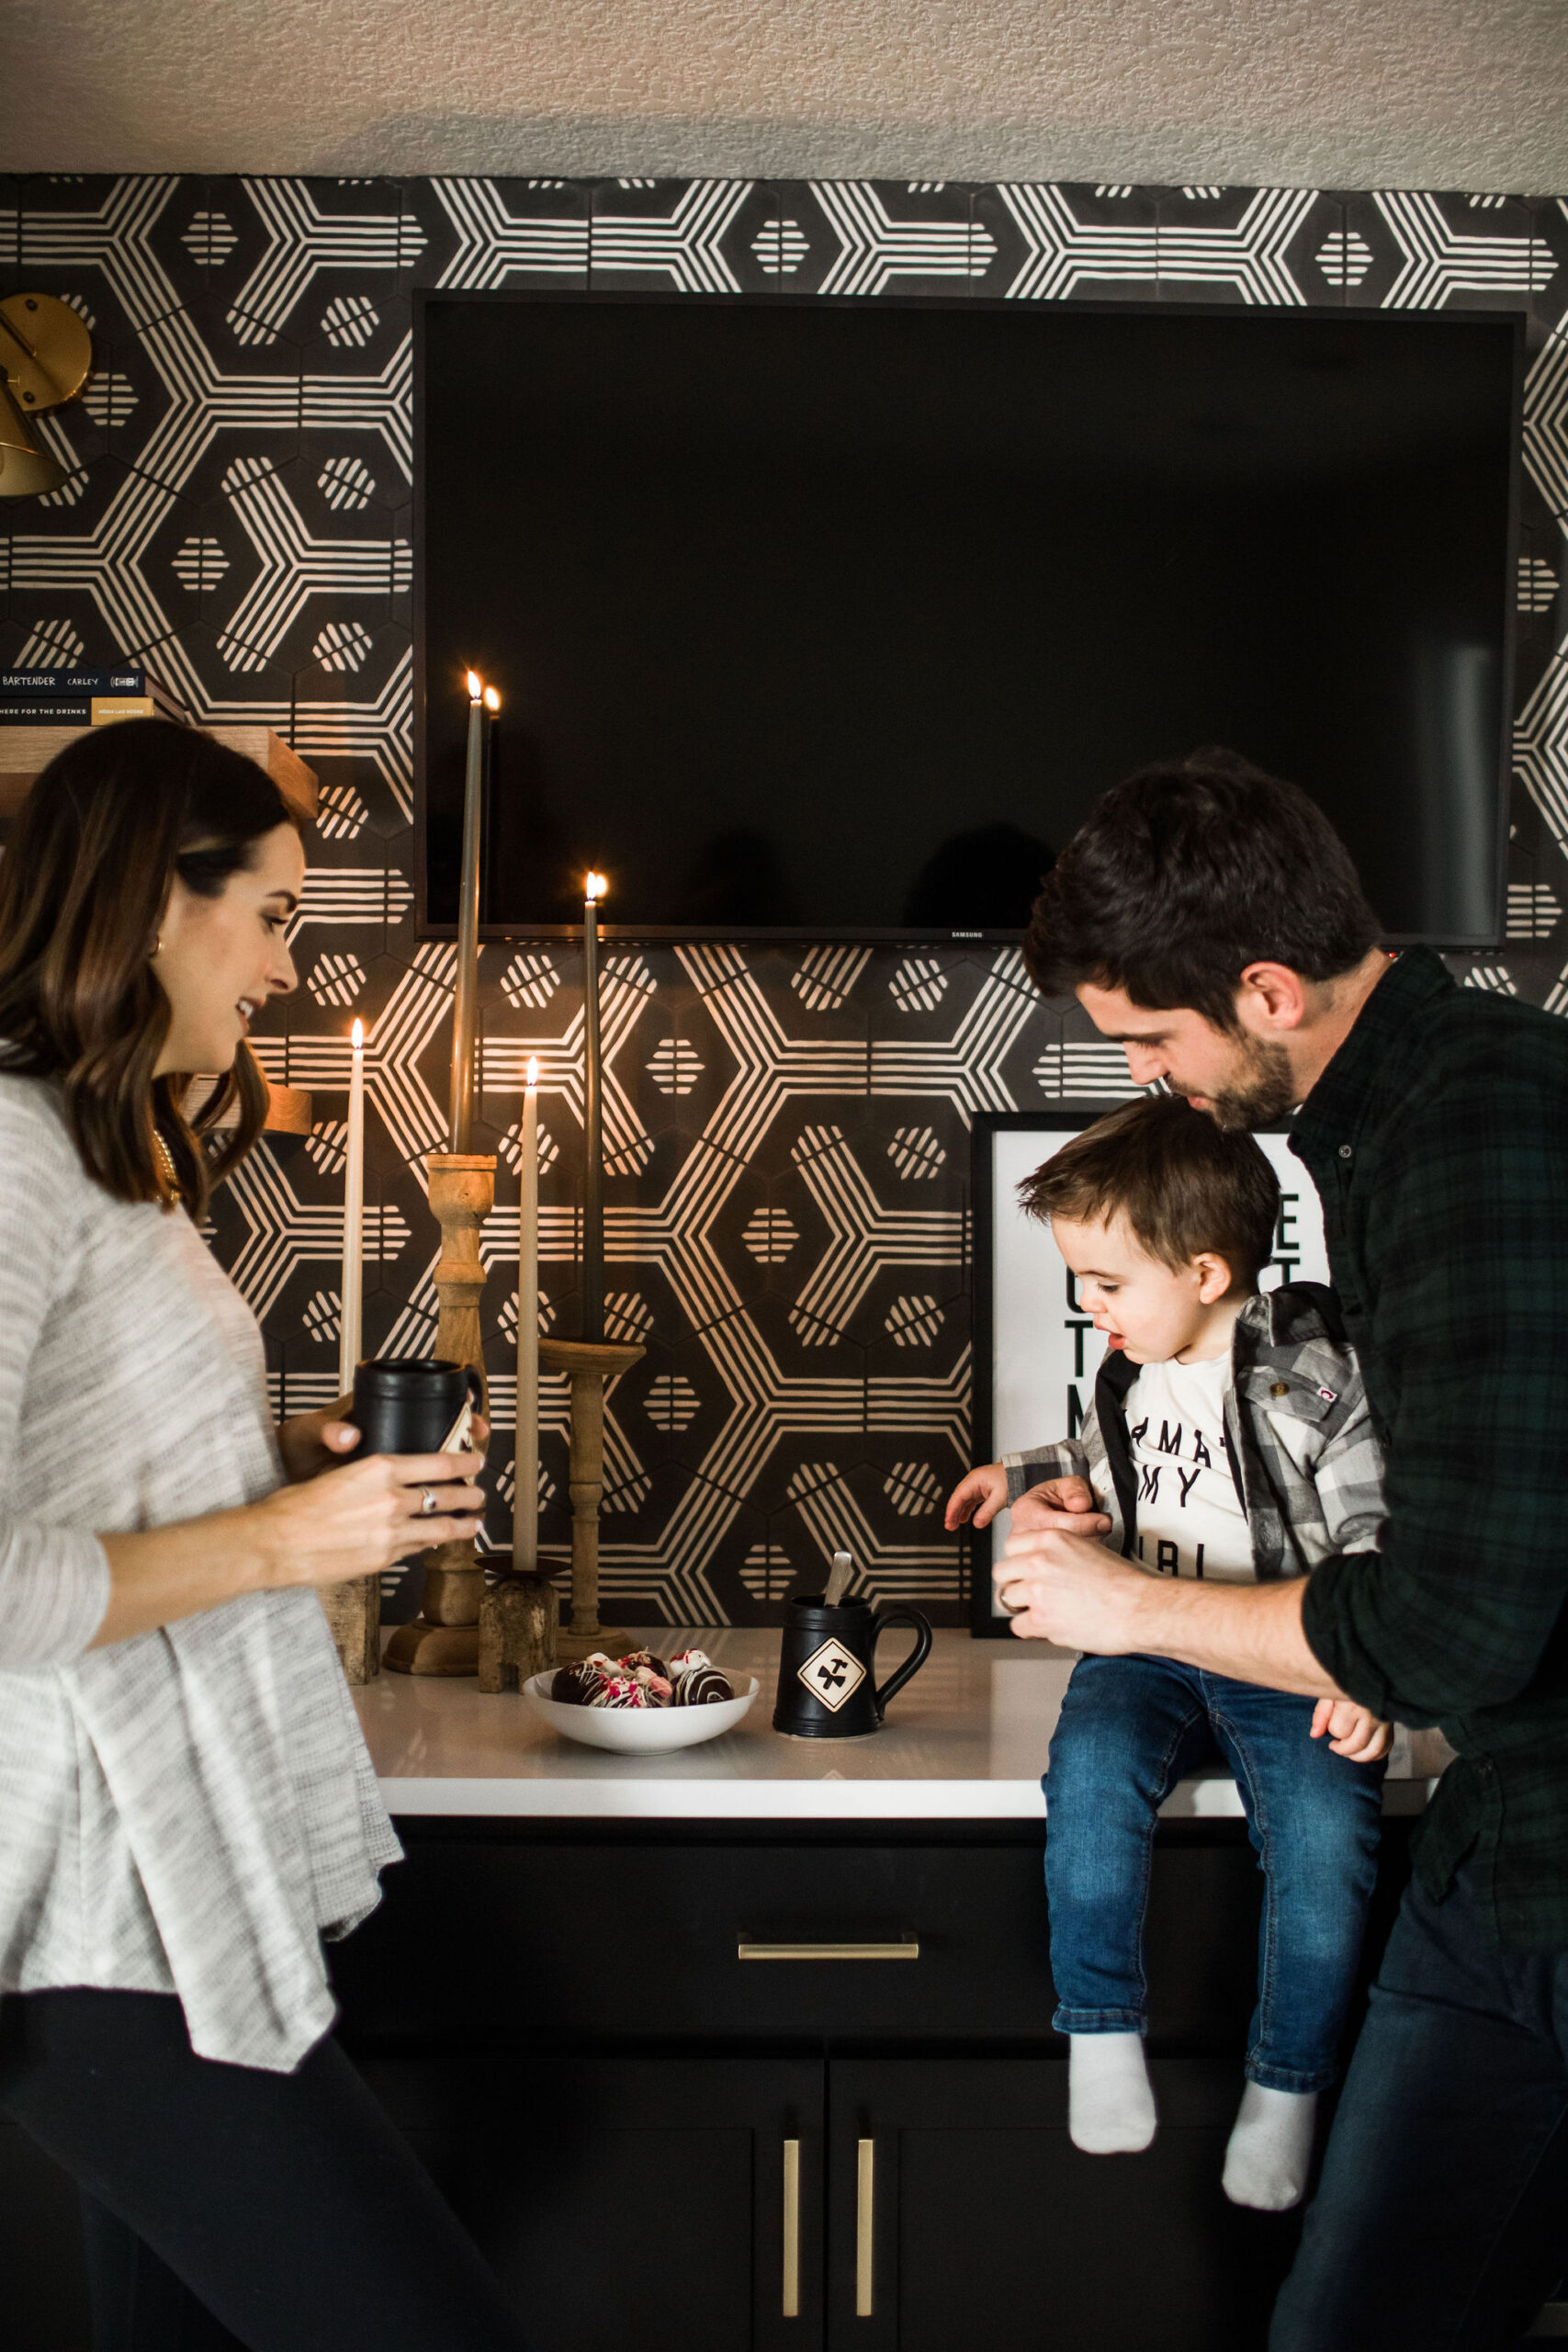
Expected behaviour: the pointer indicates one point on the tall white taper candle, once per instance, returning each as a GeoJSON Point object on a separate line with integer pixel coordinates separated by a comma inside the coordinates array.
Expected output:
{"type": "Point", "coordinates": [525, 1500]}
{"type": "Point", "coordinates": [353, 1284]}
{"type": "Point", "coordinates": [460, 1116]}
{"type": "Point", "coordinates": [592, 1118]}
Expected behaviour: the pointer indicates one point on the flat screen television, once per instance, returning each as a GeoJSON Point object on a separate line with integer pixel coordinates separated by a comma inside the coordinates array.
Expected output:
{"type": "Point", "coordinates": [830, 618]}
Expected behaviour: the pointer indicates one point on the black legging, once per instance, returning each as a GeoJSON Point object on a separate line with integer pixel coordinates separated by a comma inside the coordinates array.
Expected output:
{"type": "Point", "coordinates": [225, 2206]}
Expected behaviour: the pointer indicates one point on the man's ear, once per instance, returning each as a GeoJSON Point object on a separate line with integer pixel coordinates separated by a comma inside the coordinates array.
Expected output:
{"type": "Point", "coordinates": [1215, 1276]}
{"type": "Point", "coordinates": [1271, 1000]}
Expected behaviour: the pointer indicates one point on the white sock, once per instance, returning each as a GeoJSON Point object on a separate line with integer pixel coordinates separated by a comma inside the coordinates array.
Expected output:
{"type": "Point", "coordinates": [1111, 2102]}
{"type": "Point", "coordinates": [1270, 2151]}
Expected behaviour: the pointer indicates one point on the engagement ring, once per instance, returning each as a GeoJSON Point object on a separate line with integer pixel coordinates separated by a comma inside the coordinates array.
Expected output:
{"type": "Point", "coordinates": [429, 1502]}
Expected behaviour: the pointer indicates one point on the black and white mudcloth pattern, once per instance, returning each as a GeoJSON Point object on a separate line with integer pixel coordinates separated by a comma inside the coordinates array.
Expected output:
{"type": "Point", "coordinates": [786, 1131]}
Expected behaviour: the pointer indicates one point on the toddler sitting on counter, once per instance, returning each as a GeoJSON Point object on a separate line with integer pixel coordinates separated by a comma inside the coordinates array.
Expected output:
{"type": "Point", "coordinates": [1229, 1438]}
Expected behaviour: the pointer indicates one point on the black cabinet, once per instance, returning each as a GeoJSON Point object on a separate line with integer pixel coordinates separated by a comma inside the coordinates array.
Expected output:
{"type": "Point", "coordinates": [672, 2204]}
{"type": "Point", "coordinates": [657, 2139]}
{"type": "Point", "coordinates": [960, 2213]}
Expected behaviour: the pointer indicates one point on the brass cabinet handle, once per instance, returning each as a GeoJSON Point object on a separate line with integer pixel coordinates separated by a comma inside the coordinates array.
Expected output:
{"type": "Point", "coordinates": [865, 2217]}
{"type": "Point", "coordinates": [791, 2229]}
{"type": "Point", "coordinates": [908, 1950]}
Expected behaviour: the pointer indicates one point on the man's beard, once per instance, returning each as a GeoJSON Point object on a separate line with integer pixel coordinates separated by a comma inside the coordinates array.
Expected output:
{"type": "Point", "coordinates": [1265, 1091]}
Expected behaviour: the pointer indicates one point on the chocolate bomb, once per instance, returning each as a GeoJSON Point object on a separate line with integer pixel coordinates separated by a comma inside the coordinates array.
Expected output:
{"type": "Point", "coordinates": [622, 1691]}
{"type": "Point", "coordinates": [574, 1686]}
{"type": "Point", "coordinates": [702, 1685]}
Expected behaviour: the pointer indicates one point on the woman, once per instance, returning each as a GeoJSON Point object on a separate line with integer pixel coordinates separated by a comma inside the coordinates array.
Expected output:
{"type": "Point", "coordinates": [186, 1806]}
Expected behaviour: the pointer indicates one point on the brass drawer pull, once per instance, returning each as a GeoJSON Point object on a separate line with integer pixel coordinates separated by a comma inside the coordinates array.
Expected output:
{"type": "Point", "coordinates": [866, 2219]}
{"type": "Point", "coordinates": [791, 2229]}
{"type": "Point", "coordinates": [909, 1949]}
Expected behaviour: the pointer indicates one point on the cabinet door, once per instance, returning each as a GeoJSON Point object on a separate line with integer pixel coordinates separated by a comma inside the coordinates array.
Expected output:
{"type": "Point", "coordinates": [960, 2213]}
{"type": "Point", "coordinates": [675, 2205]}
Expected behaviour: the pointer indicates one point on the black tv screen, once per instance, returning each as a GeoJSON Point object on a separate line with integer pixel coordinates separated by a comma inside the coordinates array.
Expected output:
{"type": "Point", "coordinates": [833, 617]}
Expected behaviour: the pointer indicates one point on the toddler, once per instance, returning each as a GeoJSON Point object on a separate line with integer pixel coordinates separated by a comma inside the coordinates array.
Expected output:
{"type": "Point", "coordinates": [1229, 1438]}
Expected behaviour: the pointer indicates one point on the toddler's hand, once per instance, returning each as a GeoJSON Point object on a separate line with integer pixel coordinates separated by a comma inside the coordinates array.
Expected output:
{"type": "Point", "coordinates": [1351, 1731]}
{"type": "Point", "coordinates": [979, 1496]}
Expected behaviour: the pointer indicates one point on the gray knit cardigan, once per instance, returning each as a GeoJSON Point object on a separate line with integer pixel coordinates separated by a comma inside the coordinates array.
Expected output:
{"type": "Point", "coordinates": [192, 1810]}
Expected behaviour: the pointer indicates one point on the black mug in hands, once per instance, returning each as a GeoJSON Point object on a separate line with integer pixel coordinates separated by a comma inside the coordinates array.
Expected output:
{"type": "Point", "coordinates": [827, 1666]}
{"type": "Point", "coordinates": [412, 1405]}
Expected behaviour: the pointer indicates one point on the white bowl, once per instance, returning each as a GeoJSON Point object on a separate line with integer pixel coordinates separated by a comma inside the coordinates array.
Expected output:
{"type": "Point", "coordinates": [637, 1731]}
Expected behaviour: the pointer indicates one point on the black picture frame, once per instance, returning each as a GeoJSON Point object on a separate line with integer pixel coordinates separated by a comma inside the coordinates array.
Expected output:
{"type": "Point", "coordinates": [1071, 1114]}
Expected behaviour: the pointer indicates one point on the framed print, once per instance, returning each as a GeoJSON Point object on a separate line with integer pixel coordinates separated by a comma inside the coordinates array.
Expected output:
{"type": "Point", "coordinates": [1036, 1351]}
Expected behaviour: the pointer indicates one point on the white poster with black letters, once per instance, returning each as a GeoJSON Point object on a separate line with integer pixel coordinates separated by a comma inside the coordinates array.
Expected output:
{"type": "Point", "coordinates": [1045, 1349]}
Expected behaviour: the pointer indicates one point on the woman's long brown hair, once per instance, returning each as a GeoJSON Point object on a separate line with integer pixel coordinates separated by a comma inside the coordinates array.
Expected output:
{"type": "Point", "coordinates": [84, 883]}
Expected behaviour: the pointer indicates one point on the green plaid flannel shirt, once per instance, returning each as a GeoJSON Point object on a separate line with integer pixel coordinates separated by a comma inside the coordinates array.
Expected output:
{"type": "Point", "coordinates": [1438, 1139]}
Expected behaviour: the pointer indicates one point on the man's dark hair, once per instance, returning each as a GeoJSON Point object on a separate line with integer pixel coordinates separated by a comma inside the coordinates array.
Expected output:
{"type": "Point", "coordinates": [1183, 1184]}
{"type": "Point", "coordinates": [1186, 874]}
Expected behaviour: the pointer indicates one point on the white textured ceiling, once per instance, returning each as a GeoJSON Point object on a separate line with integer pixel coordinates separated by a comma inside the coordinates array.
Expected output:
{"type": "Point", "coordinates": [1468, 94]}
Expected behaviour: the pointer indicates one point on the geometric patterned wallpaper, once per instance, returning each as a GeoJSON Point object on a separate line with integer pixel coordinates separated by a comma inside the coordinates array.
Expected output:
{"type": "Point", "coordinates": [786, 1132]}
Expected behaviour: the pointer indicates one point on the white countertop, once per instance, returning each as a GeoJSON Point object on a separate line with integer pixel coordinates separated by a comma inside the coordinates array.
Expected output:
{"type": "Point", "coordinates": [966, 1740]}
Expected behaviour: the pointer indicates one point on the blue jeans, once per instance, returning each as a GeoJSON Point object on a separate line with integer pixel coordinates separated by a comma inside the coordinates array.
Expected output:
{"type": "Point", "coordinates": [1440, 2223]}
{"type": "Point", "coordinates": [1130, 1728]}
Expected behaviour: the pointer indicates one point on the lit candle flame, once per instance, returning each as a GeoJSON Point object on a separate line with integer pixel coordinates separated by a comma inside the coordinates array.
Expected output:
{"type": "Point", "coordinates": [358, 1036]}
{"type": "Point", "coordinates": [493, 700]}
{"type": "Point", "coordinates": [475, 686]}
{"type": "Point", "coordinates": [533, 1072]}
{"type": "Point", "coordinates": [595, 889]}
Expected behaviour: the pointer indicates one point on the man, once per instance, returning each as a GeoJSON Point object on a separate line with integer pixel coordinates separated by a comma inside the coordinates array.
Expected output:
{"type": "Point", "coordinates": [1210, 920]}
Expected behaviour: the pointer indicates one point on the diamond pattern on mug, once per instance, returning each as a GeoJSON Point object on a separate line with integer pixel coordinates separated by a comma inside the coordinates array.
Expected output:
{"type": "Point", "coordinates": [831, 1674]}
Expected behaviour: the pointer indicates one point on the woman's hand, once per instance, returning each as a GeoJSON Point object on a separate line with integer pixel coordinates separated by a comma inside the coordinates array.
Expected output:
{"type": "Point", "coordinates": [311, 1443]}
{"type": "Point", "coordinates": [355, 1520]}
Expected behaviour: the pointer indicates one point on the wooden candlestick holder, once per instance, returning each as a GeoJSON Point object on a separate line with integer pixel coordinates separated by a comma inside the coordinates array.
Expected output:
{"type": "Point", "coordinates": [445, 1637]}
{"type": "Point", "coordinates": [519, 1630]}
{"type": "Point", "coordinates": [588, 1365]}
{"type": "Point", "coordinates": [354, 1615]}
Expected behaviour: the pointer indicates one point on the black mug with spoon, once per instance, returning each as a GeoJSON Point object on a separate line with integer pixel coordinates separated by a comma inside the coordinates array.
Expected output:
{"type": "Point", "coordinates": [828, 1659]}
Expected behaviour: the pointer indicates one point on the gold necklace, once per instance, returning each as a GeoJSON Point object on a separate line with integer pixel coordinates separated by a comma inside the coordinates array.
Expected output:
{"type": "Point", "coordinates": [166, 1161]}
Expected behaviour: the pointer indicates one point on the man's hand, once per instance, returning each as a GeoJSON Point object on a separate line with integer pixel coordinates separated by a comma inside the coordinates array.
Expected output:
{"type": "Point", "coordinates": [1060, 1507]}
{"type": "Point", "coordinates": [1058, 1588]}
{"type": "Point", "coordinates": [1351, 1731]}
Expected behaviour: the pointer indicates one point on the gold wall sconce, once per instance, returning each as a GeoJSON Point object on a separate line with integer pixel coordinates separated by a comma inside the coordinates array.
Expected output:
{"type": "Point", "coordinates": [46, 353]}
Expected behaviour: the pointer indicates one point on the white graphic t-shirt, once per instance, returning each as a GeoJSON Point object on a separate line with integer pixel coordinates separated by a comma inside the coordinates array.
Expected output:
{"type": "Point", "coordinates": [1190, 1521]}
